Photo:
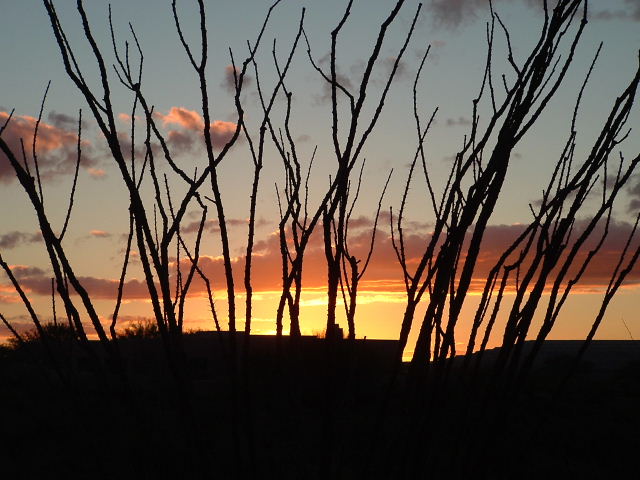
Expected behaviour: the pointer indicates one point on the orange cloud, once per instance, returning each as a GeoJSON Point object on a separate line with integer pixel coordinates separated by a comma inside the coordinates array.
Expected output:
{"type": "Point", "coordinates": [384, 276]}
{"type": "Point", "coordinates": [97, 173]}
{"type": "Point", "coordinates": [597, 274]}
{"type": "Point", "coordinates": [8, 294]}
{"type": "Point", "coordinates": [9, 299]}
{"type": "Point", "coordinates": [382, 282]}
{"type": "Point", "coordinates": [384, 273]}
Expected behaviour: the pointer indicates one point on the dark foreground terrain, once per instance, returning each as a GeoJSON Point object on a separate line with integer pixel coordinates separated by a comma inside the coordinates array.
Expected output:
{"type": "Point", "coordinates": [314, 409]}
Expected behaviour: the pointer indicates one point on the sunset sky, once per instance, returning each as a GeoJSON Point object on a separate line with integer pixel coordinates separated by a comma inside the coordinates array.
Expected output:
{"type": "Point", "coordinates": [456, 32]}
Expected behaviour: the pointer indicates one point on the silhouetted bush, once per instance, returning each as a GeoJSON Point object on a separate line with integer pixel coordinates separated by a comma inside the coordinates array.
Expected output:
{"type": "Point", "coordinates": [56, 333]}
{"type": "Point", "coordinates": [140, 329]}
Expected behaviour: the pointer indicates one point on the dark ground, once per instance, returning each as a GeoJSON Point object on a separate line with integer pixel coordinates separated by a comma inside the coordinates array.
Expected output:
{"type": "Point", "coordinates": [314, 410]}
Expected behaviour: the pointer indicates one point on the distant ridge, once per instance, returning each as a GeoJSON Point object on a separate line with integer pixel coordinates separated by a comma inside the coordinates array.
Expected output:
{"type": "Point", "coordinates": [601, 355]}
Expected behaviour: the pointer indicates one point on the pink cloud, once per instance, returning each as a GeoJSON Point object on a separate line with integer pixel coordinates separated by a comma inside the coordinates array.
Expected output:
{"type": "Point", "coordinates": [191, 125]}
{"type": "Point", "coordinates": [56, 145]}
{"type": "Point", "coordinates": [126, 118]}
{"type": "Point", "coordinates": [221, 132]}
{"type": "Point", "coordinates": [183, 117]}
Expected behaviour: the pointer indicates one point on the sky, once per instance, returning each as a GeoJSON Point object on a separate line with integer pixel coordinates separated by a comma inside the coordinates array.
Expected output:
{"type": "Point", "coordinates": [455, 30]}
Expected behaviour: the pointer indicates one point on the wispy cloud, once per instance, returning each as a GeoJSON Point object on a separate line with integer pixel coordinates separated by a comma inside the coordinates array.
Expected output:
{"type": "Point", "coordinates": [64, 121]}
{"type": "Point", "coordinates": [97, 173]}
{"type": "Point", "coordinates": [458, 122]}
{"type": "Point", "coordinates": [401, 70]}
{"type": "Point", "coordinates": [634, 193]}
{"type": "Point", "coordinates": [212, 225]}
{"type": "Point", "coordinates": [229, 79]}
{"type": "Point", "coordinates": [99, 234]}
{"type": "Point", "coordinates": [630, 12]}
{"type": "Point", "coordinates": [453, 13]}
{"type": "Point", "coordinates": [15, 239]}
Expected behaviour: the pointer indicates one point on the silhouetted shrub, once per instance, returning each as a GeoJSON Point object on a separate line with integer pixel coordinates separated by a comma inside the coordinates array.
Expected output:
{"type": "Point", "coordinates": [57, 333]}
{"type": "Point", "coordinates": [140, 329]}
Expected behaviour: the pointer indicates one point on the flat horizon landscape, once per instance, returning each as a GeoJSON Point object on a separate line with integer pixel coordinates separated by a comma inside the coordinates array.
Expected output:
{"type": "Point", "coordinates": [296, 239]}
